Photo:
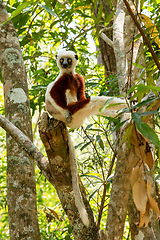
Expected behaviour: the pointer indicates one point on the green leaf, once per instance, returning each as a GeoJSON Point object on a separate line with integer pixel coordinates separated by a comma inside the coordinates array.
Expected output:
{"type": "Point", "coordinates": [128, 132]}
{"type": "Point", "coordinates": [12, 2]}
{"type": "Point", "coordinates": [157, 177]}
{"type": "Point", "coordinates": [92, 176]}
{"type": "Point", "coordinates": [89, 126]}
{"type": "Point", "coordinates": [136, 117]}
{"type": "Point", "coordinates": [100, 11]}
{"type": "Point", "coordinates": [20, 8]}
{"type": "Point", "coordinates": [145, 129]}
{"type": "Point", "coordinates": [105, 105]}
{"type": "Point", "coordinates": [148, 101]}
{"type": "Point", "coordinates": [138, 65]}
{"type": "Point", "coordinates": [139, 95]}
{"type": "Point", "coordinates": [149, 113]}
{"type": "Point", "coordinates": [99, 140]}
{"type": "Point", "coordinates": [109, 17]}
{"type": "Point", "coordinates": [85, 145]}
{"type": "Point", "coordinates": [92, 194]}
{"type": "Point", "coordinates": [47, 9]}
{"type": "Point", "coordinates": [95, 3]}
{"type": "Point", "coordinates": [117, 127]}
{"type": "Point", "coordinates": [142, 87]}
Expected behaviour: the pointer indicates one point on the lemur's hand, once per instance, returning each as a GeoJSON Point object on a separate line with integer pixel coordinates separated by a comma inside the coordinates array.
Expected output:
{"type": "Point", "coordinates": [68, 116]}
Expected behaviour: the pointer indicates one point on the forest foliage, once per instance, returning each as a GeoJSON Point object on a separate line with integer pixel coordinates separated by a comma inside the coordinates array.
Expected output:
{"type": "Point", "coordinates": [43, 27]}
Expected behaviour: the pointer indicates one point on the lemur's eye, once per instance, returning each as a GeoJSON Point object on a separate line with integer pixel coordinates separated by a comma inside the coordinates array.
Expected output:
{"type": "Point", "coordinates": [69, 60]}
{"type": "Point", "coordinates": [61, 60]}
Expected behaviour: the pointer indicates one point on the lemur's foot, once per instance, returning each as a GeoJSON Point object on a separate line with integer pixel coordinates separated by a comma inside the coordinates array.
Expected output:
{"type": "Point", "coordinates": [68, 116]}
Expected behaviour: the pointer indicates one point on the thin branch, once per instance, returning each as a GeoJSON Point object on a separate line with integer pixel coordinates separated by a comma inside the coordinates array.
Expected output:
{"type": "Point", "coordinates": [111, 165]}
{"type": "Point", "coordinates": [95, 151]}
{"type": "Point", "coordinates": [25, 143]}
{"type": "Point", "coordinates": [80, 34]}
{"type": "Point", "coordinates": [105, 29]}
{"type": "Point", "coordinates": [36, 125]}
{"type": "Point", "coordinates": [30, 25]}
{"type": "Point", "coordinates": [105, 132]}
{"type": "Point", "coordinates": [102, 204]}
{"type": "Point", "coordinates": [145, 38]}
{"type": "Point", "coordinates": [106, 39]}
{"type": "Point", "coordinates": [105, 190]}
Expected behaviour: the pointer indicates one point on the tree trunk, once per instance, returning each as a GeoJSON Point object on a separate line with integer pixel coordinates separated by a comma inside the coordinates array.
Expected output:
{"type": "Point", "coordinates": [21, 188]}
{"type": "Point", "coordinates": [107, 56]}
{"type": "Point", "coordinates": [124, 31]}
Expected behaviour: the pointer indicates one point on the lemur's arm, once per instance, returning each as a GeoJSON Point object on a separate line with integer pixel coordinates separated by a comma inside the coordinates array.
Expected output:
{"type": "Point", "coordinates": [82, 101]}
{"type": "Point", "coordinates": [76, 106]}
{"type": "Point", "coordinates": [81, 89]}
{"type": "Point", "coordinates": [58, 90]}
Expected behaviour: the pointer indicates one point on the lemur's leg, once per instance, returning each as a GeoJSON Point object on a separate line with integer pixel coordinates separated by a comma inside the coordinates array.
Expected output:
{"type": "Point", "coordinates": [68, 116]}
{"type": "Point", "coordinates": [74, 107]}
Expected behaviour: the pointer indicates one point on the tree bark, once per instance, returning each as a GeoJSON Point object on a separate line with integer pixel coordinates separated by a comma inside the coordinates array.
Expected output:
{"type": "Point", "coordinates": [21, 188]}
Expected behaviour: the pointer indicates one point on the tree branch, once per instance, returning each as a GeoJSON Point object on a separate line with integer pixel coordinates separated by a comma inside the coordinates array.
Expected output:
{"type": "Point", "coordinates": [26, 144]}
{"type": "Point", "coordinates": [106, 39]}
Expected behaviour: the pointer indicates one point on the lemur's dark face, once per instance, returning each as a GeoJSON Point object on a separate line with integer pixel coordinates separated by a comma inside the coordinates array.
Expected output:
{"type": "Point", "coordinates": [66, 62]}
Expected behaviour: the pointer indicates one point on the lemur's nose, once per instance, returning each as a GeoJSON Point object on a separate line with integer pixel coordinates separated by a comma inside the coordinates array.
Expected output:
{"type": "Point", "coordinates": [65, 65]}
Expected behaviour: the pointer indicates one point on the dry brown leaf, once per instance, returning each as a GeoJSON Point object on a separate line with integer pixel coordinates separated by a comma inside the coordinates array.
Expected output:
{"type": "Point", "coordinates": [133, 139]}
{"type": "Point", "coordinates": [141, 220]}
{"type": "Point", "coordinates": [146, 215]}
{"type": "Point", "coordinates": [54, 213]}
{"type": "Point", "coordinates": [128, 132]}
{"type": "Point", "coordinates": [140, 195]}
{"type": "Point", "coordinates": [149, 160]}
{"type": "Point", "coordinates": [136, 173]}
{"type": "Point", "coordinates": [152, 203]}
{"type": "Point", "coordinates": [137, 152]}
{"type": "Point", "coordinates": [149, 157]}
{"type": "Point", "coordinates": [144, 218]}
{"type": "Point", "coordinates": [132, 160]}
{"type": "Point", "coordinates": [142, 148]}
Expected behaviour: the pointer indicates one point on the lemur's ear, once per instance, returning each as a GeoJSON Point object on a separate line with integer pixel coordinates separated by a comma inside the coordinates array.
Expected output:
{"type": "Point", "coordinates": [76, 57]}
{"type": "Point", "coordinates": [56, 56]}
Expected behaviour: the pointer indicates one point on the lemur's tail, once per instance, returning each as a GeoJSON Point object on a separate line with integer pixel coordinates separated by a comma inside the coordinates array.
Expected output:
{"type": "Point", "coordinates": [75, 183]}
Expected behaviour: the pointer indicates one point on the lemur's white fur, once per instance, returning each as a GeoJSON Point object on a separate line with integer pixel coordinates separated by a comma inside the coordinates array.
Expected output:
{"type": "Point", "coordinates": [77, 119]}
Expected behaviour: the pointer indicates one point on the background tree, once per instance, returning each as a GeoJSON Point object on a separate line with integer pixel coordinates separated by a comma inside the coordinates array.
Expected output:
{"type": "Point", "coordinates": [21, 189]}
{"type": "Point", "coordinates": [42, 28]}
